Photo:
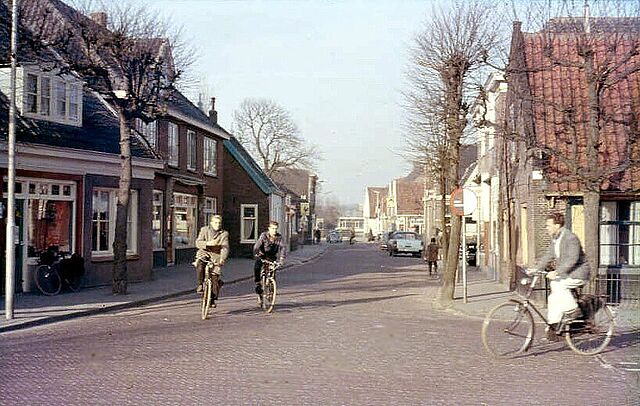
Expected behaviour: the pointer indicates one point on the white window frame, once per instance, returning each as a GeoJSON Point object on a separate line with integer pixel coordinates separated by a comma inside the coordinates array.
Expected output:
{"type": "Point", "coordinates": [243, 237]}
{"type": "Point", "coordinates": [173, 145]}
{"type": "Point", "coordinates": [192, 150]}
{"type": "Point", "coordinates": [132, 223]}
{"type": "Point", "coordinates": [189, 202]}
{"type": "Point", "coordinates": [149, 131]}
{"type": "Point", "coordinates": [48, 94]}
{"type": "Point", "coordinates": [210, 156]}
{"type": "Point", "coordinates": [158, 203]}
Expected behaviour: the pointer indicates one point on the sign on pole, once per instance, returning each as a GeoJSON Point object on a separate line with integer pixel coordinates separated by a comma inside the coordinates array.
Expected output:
{"type": "Point", "coordinates": [463, 203]}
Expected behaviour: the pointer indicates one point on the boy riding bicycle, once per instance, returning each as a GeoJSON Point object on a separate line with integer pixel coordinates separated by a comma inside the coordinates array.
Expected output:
{"type": "Point", "coordinates": [269, 246]}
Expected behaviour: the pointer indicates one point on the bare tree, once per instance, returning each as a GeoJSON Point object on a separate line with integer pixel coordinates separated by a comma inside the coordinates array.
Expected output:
{"type": "Point", "coordinates": [128, 54]}
{"type": "Point", "coordinates": [594, 143]}
{"type": "Point", "coordinates": [267, 131]}
{"type": "Point", "coordinates": [457, 42]}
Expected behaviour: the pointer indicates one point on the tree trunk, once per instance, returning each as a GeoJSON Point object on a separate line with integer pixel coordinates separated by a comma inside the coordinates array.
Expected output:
{"type": "Point", "coordinates": [591, 226]}
{"type": "Point", "coordinates": [443, 217]}
{"type": "Point", "coordinates": [119, 283]}
{"type": "Point", "coordinates": [446, 291]}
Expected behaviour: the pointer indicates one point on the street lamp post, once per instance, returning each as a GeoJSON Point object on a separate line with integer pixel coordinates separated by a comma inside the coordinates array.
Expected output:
{"type": "Point", "coordinates": [10, 248]}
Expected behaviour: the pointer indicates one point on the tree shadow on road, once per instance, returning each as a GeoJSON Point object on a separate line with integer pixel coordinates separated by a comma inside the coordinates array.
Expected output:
{"type": "Point", "coordinates": [288, 307]}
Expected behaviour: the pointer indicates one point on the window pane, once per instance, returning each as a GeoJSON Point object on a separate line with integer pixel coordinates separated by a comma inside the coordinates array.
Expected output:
{"type": "Point", "coordinates": [249, 211]}
{"type": "Point", "coordinates": [50, 226]}
{"type": "Point", "coordinates": [61, 98]}
{"type": "Point", "coordinates": [156, 224]}
{"type": "Point", "coordinates": [45, 95]}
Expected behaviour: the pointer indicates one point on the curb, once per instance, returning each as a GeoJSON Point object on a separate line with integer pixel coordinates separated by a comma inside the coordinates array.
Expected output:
{"type": "Point", "coordinates": [133, 304]}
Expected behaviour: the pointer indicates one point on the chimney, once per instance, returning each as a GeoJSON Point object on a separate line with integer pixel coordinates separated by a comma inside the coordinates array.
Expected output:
{"type": "Point", "coordinates": [100, 17]}
{"type": "Point", "coordinates": [213, 114]}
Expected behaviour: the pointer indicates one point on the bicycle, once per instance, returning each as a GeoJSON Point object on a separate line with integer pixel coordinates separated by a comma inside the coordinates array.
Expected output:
{"type": "Point", "coordinates": [57, 271]}
{"type": "Point", "coordinates": [207, 289]}
{"type": "Point", "coordinates": [508, 329]}
{"type": "Point", "coordinates": [268, 285]}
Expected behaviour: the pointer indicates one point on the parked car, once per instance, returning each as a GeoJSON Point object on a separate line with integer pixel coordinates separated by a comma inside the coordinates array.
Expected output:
{"type": "Point", "coordinates": [334, 236]}
{"type": "Point", "coordinates": [405, 242]}
{"type": "Point", "coordinates": [384, 239]}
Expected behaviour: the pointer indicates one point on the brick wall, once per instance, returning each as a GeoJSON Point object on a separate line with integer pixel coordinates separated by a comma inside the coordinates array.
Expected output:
{"type": "Point", "coordinates": [240, 189]}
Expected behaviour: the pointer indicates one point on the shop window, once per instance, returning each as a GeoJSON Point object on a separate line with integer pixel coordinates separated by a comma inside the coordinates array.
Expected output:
{"type": "Point", "coordinates": [249, 222]}
{"type": "Point", "coordinates": [50, 226]}
{"type": "Point", "coordinates": [156, 225]}
{"type": "Point", "coordinates": [620, 233]}
{"type": "Point", "coordinates": [103, 224]}
{"type": "Point", "coordinates": [210, 208]}
{"type": "Point", "coordinates": [185, 220]}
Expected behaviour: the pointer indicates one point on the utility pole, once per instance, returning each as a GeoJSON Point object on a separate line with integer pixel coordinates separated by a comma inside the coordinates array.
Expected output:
{"type": "Point", "coordinates": [10, 250]}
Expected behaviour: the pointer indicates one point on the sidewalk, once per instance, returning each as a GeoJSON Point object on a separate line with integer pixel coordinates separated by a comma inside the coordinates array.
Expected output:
{"type": "Point", "coordinates": [33, 309]}
{"type": "Point", "coordinates": [623, 352]}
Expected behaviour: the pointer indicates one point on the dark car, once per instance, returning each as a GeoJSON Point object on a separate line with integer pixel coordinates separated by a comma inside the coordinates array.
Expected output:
{"type": "Point", "coordinates": [384, 240]}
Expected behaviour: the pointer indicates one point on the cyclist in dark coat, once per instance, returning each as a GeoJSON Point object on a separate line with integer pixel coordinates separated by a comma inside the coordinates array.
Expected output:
{"type": "Point", "coordinates": [270, 246]}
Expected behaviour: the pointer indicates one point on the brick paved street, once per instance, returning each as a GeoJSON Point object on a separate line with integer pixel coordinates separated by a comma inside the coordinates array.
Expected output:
{"type": "Point", "coordinates": [353, 327]}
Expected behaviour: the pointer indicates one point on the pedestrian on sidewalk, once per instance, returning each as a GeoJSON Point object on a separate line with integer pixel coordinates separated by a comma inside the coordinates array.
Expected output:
{"type": "Point", "coordinates": [269, 246]}
{"type": "Point", "coordinates": [213, 246]}
{"type": "Point", "coordinates": [432, 256]}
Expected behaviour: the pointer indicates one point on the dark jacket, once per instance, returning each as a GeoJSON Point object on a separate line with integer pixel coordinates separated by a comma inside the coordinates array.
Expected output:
{"type": "Point", "coordinates": [272, 249]}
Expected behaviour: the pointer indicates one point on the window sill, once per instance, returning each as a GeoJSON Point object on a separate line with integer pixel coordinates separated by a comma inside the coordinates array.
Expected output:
{"type": "Point", "coordinates": [193, 170]}
{"type": "Point", "coordinates": [109, 257]}
{"type": "Point", "coordinates": [173, 165]}
{"type": "Point", "coordinates": [248, 241]}
{"type": "Point", "coordinates": [211, 174]}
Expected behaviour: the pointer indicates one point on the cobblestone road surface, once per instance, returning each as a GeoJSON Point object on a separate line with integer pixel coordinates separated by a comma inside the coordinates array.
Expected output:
{"type": "Point", "coordinates": [354, 327]}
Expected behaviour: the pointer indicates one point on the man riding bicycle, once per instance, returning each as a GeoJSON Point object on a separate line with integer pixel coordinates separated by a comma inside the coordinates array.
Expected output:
{"type": "Point", "coordinates": [270, 246]}
{"type": "Point", "coordinates": [213, 246]}
{"type": "Point", "coordinates": [571, 270]}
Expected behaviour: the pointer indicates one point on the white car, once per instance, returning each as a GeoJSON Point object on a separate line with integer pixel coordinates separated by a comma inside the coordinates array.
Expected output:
{"type": "Point", "coordinates": [405, 242]}
{"type": "Point", "coordinates": [334, 236]}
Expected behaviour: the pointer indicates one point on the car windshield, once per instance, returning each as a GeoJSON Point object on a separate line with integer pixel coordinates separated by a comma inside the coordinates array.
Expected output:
{"type": "Point", "coordinates": [405, 236]}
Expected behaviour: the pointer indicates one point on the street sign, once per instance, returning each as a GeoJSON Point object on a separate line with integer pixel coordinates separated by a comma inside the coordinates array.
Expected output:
{"type": "Point", "coordinates": [463, 202]}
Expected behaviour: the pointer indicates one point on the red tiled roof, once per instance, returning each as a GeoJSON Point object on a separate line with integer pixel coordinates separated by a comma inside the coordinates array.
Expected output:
{"type": "Point", "coordinates": [409, 195]}
{"type": "Point", "coordinates": [559, 97]}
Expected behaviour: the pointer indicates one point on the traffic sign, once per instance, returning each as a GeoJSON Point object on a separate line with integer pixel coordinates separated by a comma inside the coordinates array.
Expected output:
{"type": "Point", "coordinates": [463, 202]}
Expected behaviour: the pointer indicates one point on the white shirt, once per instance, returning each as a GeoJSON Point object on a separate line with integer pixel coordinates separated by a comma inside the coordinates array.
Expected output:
{"type": "Point", "coordinates": [557, 243]}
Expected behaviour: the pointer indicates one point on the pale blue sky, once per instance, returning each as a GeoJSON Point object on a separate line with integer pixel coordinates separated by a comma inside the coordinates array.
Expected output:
{"type": "Point", "coordinates": [336, 66]}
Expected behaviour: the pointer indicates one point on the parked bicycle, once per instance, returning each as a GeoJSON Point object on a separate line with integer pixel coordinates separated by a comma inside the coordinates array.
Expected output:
{"type": "Point", "coordinates": [58, 270]}
{"type": "Point", "coordinates": [268, 285]}
{"type": "Point", "coordinates": [508, 329]}
{"type": "Point", "coordinates": [207, 289]}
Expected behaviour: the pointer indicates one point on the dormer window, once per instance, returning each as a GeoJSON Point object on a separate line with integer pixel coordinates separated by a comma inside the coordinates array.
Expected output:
{"type": "Point", "coordinates": [47, 96]}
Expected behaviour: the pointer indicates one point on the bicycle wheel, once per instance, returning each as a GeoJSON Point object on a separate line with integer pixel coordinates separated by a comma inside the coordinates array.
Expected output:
{"type": "Point", "coordinates": [592, 336]}
{"type": "Point", "coordinates": [507, 329]}
{"type": "Point", "coordinates": [206, 298]}
{"type": "Point", "coordinates": [269, 295]}
{"type": "Point", "coordinates": [48, 280]}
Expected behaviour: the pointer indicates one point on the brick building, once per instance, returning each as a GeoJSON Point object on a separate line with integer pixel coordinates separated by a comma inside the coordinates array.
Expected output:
{"type": "Point", "coordinates": [250, 200]}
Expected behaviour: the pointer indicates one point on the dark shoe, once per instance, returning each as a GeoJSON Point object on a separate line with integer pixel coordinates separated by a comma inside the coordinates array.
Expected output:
{"type": "Point", "coordinates": [551, 336]}
{"type": "Point", "coordinates": [199, 289]}
{"type": "Point", "coordinates": [213, 304]}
